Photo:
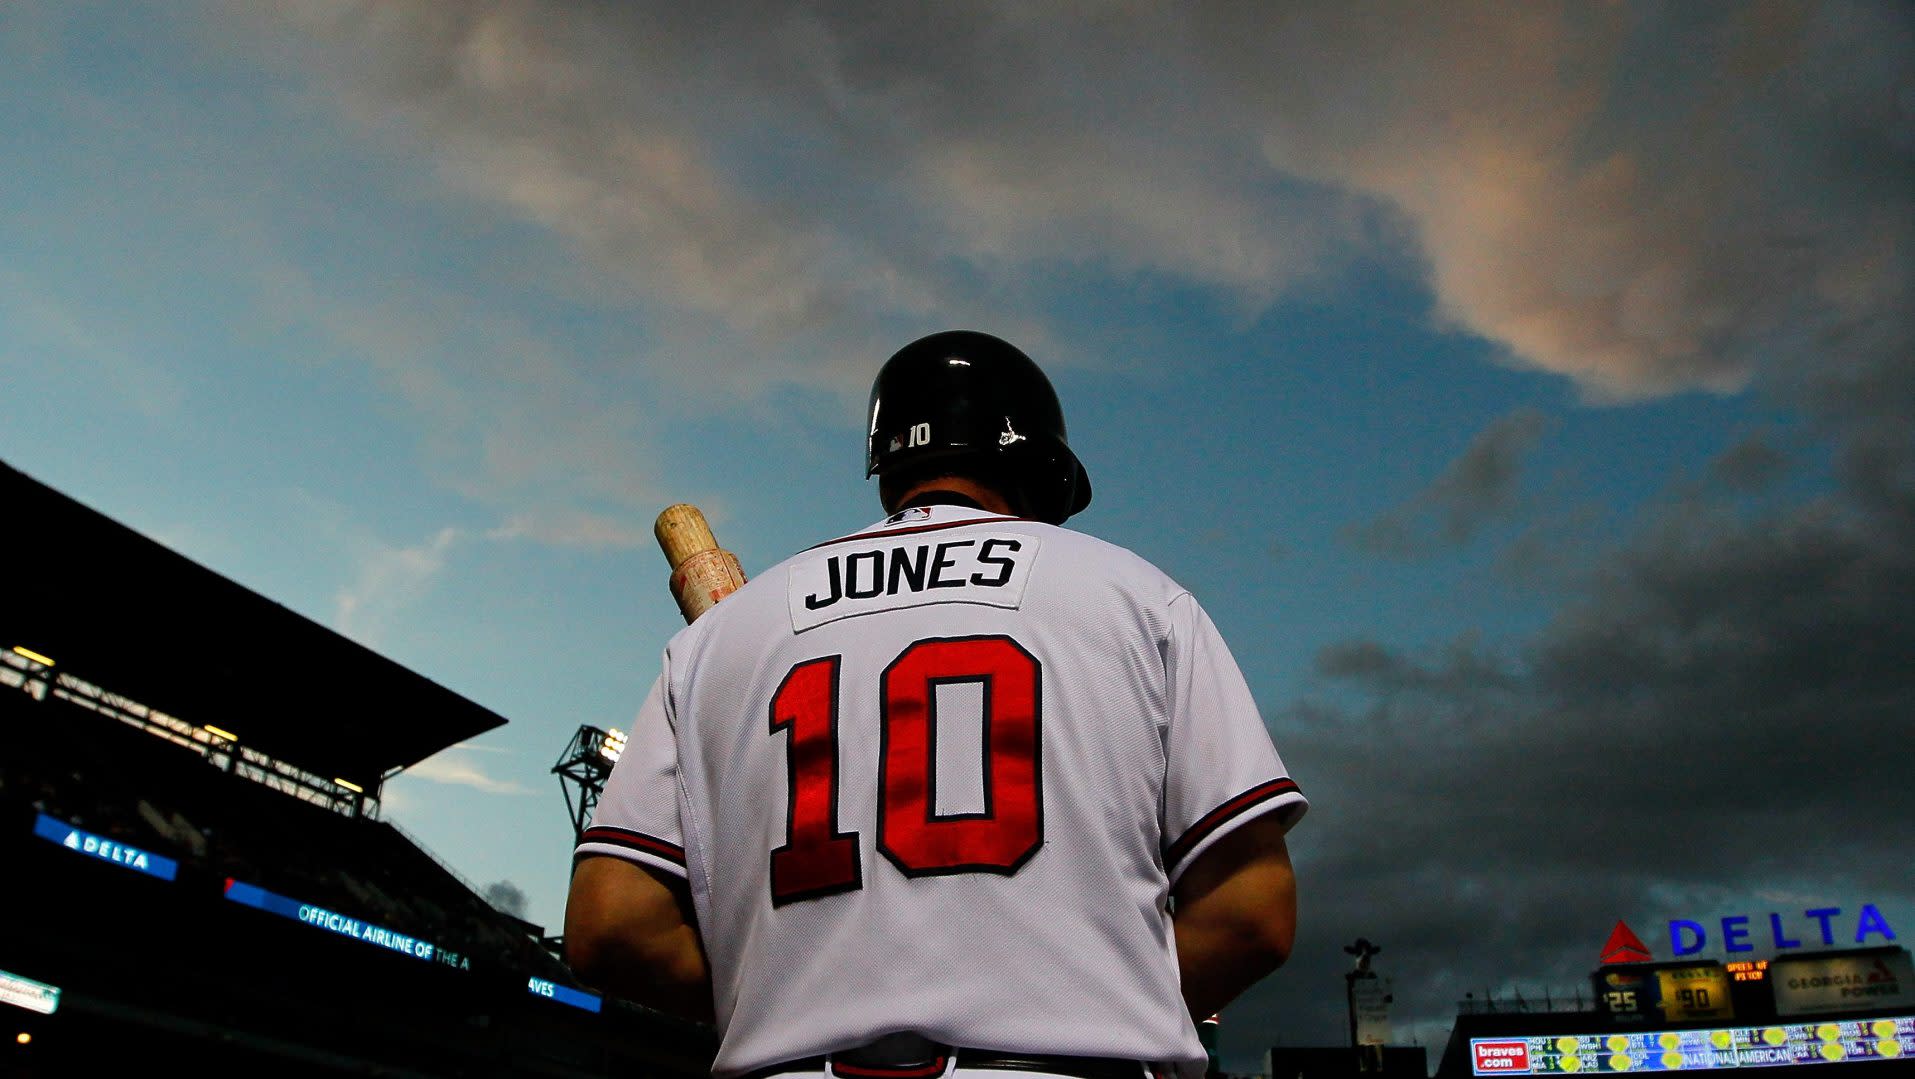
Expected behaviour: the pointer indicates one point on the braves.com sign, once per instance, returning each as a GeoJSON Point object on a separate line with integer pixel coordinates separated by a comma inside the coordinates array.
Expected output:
{"type": "Point", "coordinates": [1500, 1056]}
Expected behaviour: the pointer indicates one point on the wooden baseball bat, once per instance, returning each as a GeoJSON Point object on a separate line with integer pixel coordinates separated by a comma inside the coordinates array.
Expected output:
{"type": "Point", "coordinates": [702, 572]}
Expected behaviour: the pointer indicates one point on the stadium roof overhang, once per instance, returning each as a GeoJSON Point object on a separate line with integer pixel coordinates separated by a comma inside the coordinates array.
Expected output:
{"type": "Point", "coordinates": [123, 612]}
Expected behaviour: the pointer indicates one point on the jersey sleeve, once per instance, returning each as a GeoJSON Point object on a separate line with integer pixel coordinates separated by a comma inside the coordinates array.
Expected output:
{"type": "Point", "coordinates": [637, 817]}
{"type": "Point", "coordinates": [1221, 768]}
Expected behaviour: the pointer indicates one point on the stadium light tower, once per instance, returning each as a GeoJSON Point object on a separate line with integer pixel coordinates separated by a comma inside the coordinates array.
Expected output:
{"type": "Point", "coordinates": [586, 762]}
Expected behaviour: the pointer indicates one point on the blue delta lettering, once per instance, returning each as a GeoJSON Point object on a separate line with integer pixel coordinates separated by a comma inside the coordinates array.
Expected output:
{"type": "Point", "coordinates": [1688, 938]}
{"type": "Point", "coordinates": [132, 857]}
{"type": "Point", "coordinates": [867, 574]}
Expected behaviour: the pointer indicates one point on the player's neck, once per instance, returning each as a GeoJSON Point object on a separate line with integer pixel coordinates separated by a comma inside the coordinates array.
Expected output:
{"type": "Point", "coordinates": [956, 491]}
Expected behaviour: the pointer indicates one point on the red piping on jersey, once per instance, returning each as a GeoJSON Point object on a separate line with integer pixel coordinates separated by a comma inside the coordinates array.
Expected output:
{"type": "Point", "coordinates": [625, 837]}
{"type": "Point", "coordinates": [1217, 817]}
{"type": "Point", "coordinates": [882, 533]}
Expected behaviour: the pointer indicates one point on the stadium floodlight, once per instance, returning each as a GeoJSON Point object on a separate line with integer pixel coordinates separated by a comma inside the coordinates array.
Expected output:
{"type": "Point", "coordinates": [23, 650]}
{"type": "Point", "coordinates": [349, 785]}
{"type": "Point", "coordinates": [587, 760]}
{"type": "Point", "coordinates": [218, 733]}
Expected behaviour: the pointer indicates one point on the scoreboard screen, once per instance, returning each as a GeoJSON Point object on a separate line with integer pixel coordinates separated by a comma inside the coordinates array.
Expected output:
{"type": "Point", "coordinates": [1697, 1050]}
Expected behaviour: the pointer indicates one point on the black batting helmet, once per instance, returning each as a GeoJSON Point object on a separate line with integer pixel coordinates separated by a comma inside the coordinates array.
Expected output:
{"type": "Point", "coordinates": [963, 398]}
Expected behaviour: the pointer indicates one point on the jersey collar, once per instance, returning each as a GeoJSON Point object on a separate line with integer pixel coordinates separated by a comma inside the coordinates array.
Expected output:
{"type": "Point", "coordinates": [937, 514]}
{"type": "Point", "coordinates": [922, 519]}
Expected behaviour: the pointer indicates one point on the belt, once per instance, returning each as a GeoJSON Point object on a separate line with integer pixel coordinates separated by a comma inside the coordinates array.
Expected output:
{"type": "Point", "coordinates": [984, 1059]}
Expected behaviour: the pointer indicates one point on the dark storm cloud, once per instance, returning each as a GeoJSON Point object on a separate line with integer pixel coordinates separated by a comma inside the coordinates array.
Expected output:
{"type": "Point", "coordinates": [1714, 722]}
{"type": "Point", "coordinates": [1720, 714]}
{"type": "Point", "coordinates": [1751, 465]}
{"type": "Point", "coordinates": [1640, 198]}
{"type": "Point", "coordinates": [1462, 669]}
{"type": "Point", "coordinates": [1476, 489]}
{"type": "Point", "coordinates": [784, 189]}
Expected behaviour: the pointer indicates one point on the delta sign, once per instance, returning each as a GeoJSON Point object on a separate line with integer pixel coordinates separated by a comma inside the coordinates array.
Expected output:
{"type": "Point", "coordinates": [1828, 926]}
{"type": "Point", "coordinates": [1688, 937]}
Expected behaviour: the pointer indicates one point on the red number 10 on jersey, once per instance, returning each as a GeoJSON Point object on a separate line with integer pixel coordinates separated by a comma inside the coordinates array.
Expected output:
{"type": "Point", "coordinates": [818, 859]}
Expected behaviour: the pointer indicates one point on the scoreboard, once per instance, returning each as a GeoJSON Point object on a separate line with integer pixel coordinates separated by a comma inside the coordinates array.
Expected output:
{"type": "Point", "coordinates": [1698, 1050]}
{"type": "Point", "coordinates": [1681, 992]}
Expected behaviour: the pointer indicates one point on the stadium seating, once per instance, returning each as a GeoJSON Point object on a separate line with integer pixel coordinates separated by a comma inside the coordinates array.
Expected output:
{"type": "Point", "coordinates": [153, 970]}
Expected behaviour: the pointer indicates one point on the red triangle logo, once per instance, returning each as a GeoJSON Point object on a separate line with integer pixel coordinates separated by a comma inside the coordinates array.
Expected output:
{"type": "Point", "coordinates": [1624, 946]}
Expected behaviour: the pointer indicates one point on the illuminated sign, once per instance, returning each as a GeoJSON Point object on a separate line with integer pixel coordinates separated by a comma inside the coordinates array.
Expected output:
{"type": "Point", "coordinates": [1694, 992]}
{"type": "Point", "coordinates": [1810, 984]}
{"type": "Point", "coordinates": [564, 994]}
{"type": "Point", "coordinates": [1493, 1057]}
{"type": "Point", "coordinates": [1624, 946]}
{"type": "Point", "coordinates": [84, 842]}
{"type": "Point", "coordinates": [1680, 992]}
{"type": "Point", "coordinates": [1688, 938]}
{"type": "Point", "coordinates": [29, 994]}
{"type": "Point", "coordinates": [379, 936]}
{"type": "Point", "coordinates": [1697, 1050]}
{"type": "Point", "coordinates": [1624, 993]}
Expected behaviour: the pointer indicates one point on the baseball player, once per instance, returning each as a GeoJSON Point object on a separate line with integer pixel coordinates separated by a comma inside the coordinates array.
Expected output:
{"type": "Point", "coordinates": [965, 792]}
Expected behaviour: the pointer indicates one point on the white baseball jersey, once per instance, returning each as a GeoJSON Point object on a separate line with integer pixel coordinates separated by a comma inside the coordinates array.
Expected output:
{"type": "Point", "coordinates": [939, 776]}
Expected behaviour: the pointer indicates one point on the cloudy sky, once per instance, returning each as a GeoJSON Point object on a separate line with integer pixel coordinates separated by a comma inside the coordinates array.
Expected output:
{"type": "Point", "coordinates": [1526, 389]}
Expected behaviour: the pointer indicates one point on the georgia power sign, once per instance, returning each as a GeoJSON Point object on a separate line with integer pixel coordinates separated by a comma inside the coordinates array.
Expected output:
{"type": "Point", "coordinates": [1807, 985]}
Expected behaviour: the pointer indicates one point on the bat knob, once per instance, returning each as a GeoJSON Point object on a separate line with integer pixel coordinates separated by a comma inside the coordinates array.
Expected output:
{"type": "Point", "coordinates": [682, 532]}
{"type": "Point", "coordinates": [702, 572]}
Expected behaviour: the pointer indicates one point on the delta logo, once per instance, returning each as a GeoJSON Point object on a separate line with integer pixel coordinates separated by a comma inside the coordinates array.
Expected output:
{"type": "Point", "coordinates": [107, 850]}
{"type": "Point", "coordinates": [1624, 946]}
{"type": "Point", "coordinates": [1688, 937]}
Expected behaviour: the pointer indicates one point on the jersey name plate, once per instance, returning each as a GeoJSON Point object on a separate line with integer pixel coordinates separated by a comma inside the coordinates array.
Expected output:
{"type": "Point", "coordinates": [887, 573]}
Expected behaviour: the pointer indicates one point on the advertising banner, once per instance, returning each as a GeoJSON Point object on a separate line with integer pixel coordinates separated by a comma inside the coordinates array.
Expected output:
{"type": "Point", "coordinates": [1625, 992]}
{"type": "Point", "coordinates": [1821, 1043]}
{"type": "Point", "coordinates": [318, 917]}
{"type": "Point", "coordinates": [1694, 992]}
{"type": "Point", "coordinates": [564, 994]}
{"type": "Point", "coordinates": [83, 842]}
{"type": "Point", "coordinates": [1372, 1001]}
{"type": "Point", "coordinates": [1870, 981]}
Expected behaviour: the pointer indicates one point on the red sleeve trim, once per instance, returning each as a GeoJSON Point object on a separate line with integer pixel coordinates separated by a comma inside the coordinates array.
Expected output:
{"type": "Point", "coordinates": [639, 841]}
{"type": "Point", "coordinates": [1223, 814]}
